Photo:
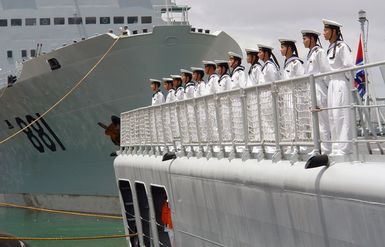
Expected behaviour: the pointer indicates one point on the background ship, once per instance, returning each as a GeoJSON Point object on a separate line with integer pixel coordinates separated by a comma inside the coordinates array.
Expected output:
{"type": "Point", "coordinates": [63, 161]}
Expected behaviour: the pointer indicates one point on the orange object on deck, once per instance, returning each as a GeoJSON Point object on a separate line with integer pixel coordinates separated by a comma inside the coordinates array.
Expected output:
{"type": "Point", "coordinates": [166, 215]}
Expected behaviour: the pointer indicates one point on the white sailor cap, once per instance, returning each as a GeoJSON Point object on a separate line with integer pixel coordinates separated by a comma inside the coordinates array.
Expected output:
{"type": "Point", "coordinates": [176, 77]}
{"type": "Point", "coordinates": [154, 80]}
{"type": "Point", "coordinates": [329, 23]}
{"type": "Point", "coordinates": [205, 62]}
{"type": "Point", "coordinates": [167, 79]}
{"type": "Point", "coordinates": [285, 41]}
{"type": "Point", "coordinates": [265, 47]}
{"type": "Point", "coordinates": [234, 55]}
{"type": "Point", "coordinates": [185, 71]}
{"type": "Point", "coordinates": [308, 31]}
{"type": "Point", "coordinates": [221, 62]}
{"type": "Point", "coordinates": [196, 69]}
{"type": "Point", "coordinates": [252, 50]}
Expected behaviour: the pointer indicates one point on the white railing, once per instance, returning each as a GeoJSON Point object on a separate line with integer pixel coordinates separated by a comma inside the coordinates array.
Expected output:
{"type": "Point", "coordinates": [173, 14]}
{"type": "Point", "coordinates": [270, 119]}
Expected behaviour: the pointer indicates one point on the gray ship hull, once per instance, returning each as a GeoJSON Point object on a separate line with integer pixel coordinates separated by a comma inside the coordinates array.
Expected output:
{"type": "Point", "coordinates": [66, 159]}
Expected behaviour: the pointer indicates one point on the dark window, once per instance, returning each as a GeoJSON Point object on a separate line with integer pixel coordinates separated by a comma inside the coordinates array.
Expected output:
{"type": "Point", "coordinates": [90, 20]}
{"type": "Point", "coordinates": [54, 64]}
{"type": "Point", "coordinates": [75, 20]}
{"type": "Point", "coordinates": [118, 20]}
{"type": "Point", "coordinates": [30, 21]}
{"type": "Point", "coordinates": [146, 19]}
{"type": "Point", "coordinates": [144, 211]}
{"type": "Point", "coordinates": [159, 199]}
{"type": "Point", "coordinates": [128, 201]}
{"type": "Point", "coordinates": [33, 53]}
{"type": "Point", "coordinates": [132, 19]}
{"type": "Point", "coordinates": [135, 32]}
{"type": "Point", "coordinates": [45, 21]}
{"type": "Point", "coordinates": [59, 21]}
{"type": "Point", "coordinates": [145, 30]}
{"type": "Point", "coordinates": [3, 22]}
{"type": "Point", "coordinates": [23, 53]}
{"type": "Point", "coordinates": [105, 20]}
{"type": "Point", "coordinates": [9, 54]}
{"type": "Point", "coordinates": [15, 22]}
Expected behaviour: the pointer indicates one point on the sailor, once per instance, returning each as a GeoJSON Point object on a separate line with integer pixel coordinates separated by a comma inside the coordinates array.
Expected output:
{"type": "Point", "coordinates": [157, 97]}
{"type": "Point", "coordinates": [200, 85]}
{"type": "Point", "coordinates": [125, 31]}
{"type": "Point", "coordinates": [339, 56]}
{"type": "Point", "coordinates": [167, 85]}
{"type": "Point", "coordinates": [270, 67]}
{"type": "Point", "coordinates": [224, 81]}
{"type": "Point", "coordinates": [189, 84]}
{"type": "Point", "coordinates": [237, 71]}
{"type": "Point", "coordinates": [177, 85]}
{"type": "Point", "coordinates": [293, 66]}
{"type": "Point", "coordinates": [212, 77]}
{"type": "Point", "coordinates": [317, 62]}
{"type": "Point", "coordinates": [254, 73]}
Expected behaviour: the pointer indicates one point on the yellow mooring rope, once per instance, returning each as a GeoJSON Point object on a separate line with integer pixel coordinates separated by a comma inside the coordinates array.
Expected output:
{"type": "Point", "coordinates": [69, 238]}
{"type": "Point", "coordinates": [3, 204]}
{"type": "Point", "coordinates": [65, 96]}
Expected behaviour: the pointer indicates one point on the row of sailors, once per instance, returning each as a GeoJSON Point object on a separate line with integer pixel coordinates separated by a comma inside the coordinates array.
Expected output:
{"type": "Point", "coordinates": [331, 92]}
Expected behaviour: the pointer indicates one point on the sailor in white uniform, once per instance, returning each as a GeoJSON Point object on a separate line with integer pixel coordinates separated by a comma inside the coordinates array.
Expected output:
{"type": "Point", "coordinates": [316, 63]}
{"type": "Point", "coordinates": [157, 97]}
{"type": "Point", "coordinates": [200, 85]}
{"type": "Point", "coordinates": [237, 71]}
{"type": "Point", "coordinates": [255, 72]}
{"type": "Point", "coordinates": [340, 57]}
{"type": "Point", "coordinates": [270, 67]}
{"type": "Point", "coordinates": [293, 66]}
{"type": "Point", "coordinates": [179, 89]}
{"type": "Point", "coordinates": [224, 81]}
{"type": "Point", "coordinates": [189, 84]}
{"type": "Point", "coordinates": [212, 77]}
{"type": "Point", "coordinates": [167, 85]}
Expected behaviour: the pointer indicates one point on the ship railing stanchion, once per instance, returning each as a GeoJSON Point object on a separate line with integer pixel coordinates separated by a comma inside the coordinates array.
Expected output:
{"type": "Point", "coordinates": [232, 127]}
{"type": "Point", "coordinates": [197, 125]}
{"type": "Point", "coordinates": [295, 154]}
{"type": "Point", "coordinates": [171, 125]}
{"type": "Point", "coordinates": [210, 127]}
{"type": "Point", "coordinates": [152, 146]}
{"type": "Point", "coordinates": [260, 154]}
{"type": "Point", "coordinates": [245, 120]}
{"type": "Point", "coordinates": [157, 148]}
{"type": "Point", "coordinates": [315, 120]}
{"type": "Point", "coordinates": [165, 148]}
{"type": "Point", "coordinates": [182, 148]}
{"type": "Point", "coordinates": [221, 152]}
{"type": "Point", "coordinates": [353, 115]}
{"type": "Point", "coordinates": [274, 93]}
{"type": "Point", "coordinates": [190, 134]}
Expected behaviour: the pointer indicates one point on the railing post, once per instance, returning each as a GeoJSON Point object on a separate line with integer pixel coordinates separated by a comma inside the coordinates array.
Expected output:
{"type": "Point", "coordinates": [315, 120]}
{"type": "Point", "coordinates": [165, 149]}
{"type": "Point", "coordinates": [210, 128]}
{"type": "Point", "coordinates": [353, 114]}
{"type": "Point", "coordinates": [182, 148]}
{"type": "Point", "coordinates": [274, 93]}
{"type": "Point", "coordinates": [260, 155]}
{"type": "Point", "coordinates": [245, 120]}
{"type": "Point", "coordinates": [221, 153]}
{"type": "Point", "coordinates": [231, 116]}
{"type": "Point", "coordinates": [157, 148]}
{"type": "Point", "coordinates": [196, 111]}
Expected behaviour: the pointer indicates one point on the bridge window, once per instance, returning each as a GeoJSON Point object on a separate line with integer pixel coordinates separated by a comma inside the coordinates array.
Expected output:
{"type": "Point", "coordinates": [128, 202]}
{"type": "Point", "coordinates": [145, 30]}
{"type": "Point", "coordinates": [45, 21]}
{"type": "Point", "coordinates": [132, 19]}
{"type": "Point", "coordinates": [75, 20]}
{"type": "Point", "coordinates": [105, 20]}
{"type": "Point", "coordinates": [135, 32]}
{"type": "Point", "coordinates": [33, 53]}
{"type": "Point", "coordinates": [118, 19]}
{"type": "Point", "coordinates": [54, 64]}
{"type": "Point", "coordinates": [30, 21]}
{"type": "Point", "coordinates": [90, 20]}
{"type": "Point", "coordinates": [9, 54]}
{"type": "Point", "coordinates": [146, 19]}
{"type": "Point", "coordinates": [15, 22]}
{"type": "Point", "coordinates": [23, 53]}
{"type": "Point", "coordinates": [3, 22]}
{"type": "Point", "coordinates": [59, 21]}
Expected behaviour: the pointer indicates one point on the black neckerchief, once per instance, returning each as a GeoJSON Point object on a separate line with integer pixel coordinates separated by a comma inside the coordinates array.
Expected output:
{"type": "Point", "coordinates": [223, 76]}
{"type": "Point", "coordinates": [255, 64]}
{"type": "Point", "coordinates": [211, 76]}
{"type": "Point", "coordinates": [189, 84]}
{"type": "Point", "coordinates": [291, 59]}
{"type": "Point", "coordinates": [155, 93]}
{"type": "Point", "coordinates": [311, 51]}
{"type": "Point", "coordinates": [272, 62]}
{"type": "Point", "coordinates": [238, 68]}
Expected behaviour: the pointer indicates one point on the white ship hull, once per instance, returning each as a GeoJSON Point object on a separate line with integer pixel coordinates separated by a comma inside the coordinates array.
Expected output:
{"type": "Point", "coordinates": [74, 160]}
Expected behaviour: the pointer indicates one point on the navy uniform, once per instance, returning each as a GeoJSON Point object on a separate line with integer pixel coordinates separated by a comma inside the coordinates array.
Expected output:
{"type": "Point", "coordinates": [171, 92]}
{"type": "Point", "coordinates": [237, 74]}
{"type": "Point", "coordinates": [255, 72]}
{"type": "Point", "coordinates": [270, 68]}
{"type": "Point", "coordinates": [293, 66]}
{"type": "Point", "coordinates": [212, 80]}
{"type": "Point", "coordinates": [340, 57]}
{"type": "Point", "coordinates": [157, 97]}
{"type": "Point", "coordinates": [189, 85]}
{"type": "Point", "coordinates": [200, 86]}
{"type": "Point", "coordinates": [224, 81]}
{"type": "Point", "coordinates": [179, 90]}
{"type": "Point", "coordinates": [317, 63]}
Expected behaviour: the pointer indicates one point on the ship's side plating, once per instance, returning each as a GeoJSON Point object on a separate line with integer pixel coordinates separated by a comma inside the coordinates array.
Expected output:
{"type": "Point", "coordinates": [43, 170]}
{"type": "Point", "coordinates": [251, 203]}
